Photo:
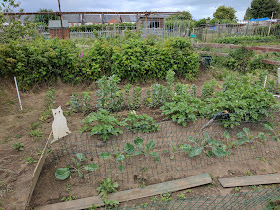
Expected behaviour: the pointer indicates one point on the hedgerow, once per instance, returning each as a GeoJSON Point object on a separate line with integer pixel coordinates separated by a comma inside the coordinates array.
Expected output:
{"type": "Point", "coordinates": [131, 58]}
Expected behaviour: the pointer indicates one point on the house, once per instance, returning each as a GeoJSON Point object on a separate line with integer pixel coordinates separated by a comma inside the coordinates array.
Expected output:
{"type": "Point", "coordinates": [128, 18]}
{"type": "Point", "coordinates": [92, 19]}
{"type": "Point", "coordinates": [151, 21]}
{"type": "Point", "coordinates": [111, 19]}
{"type": "Point", "coordinates": [73, 19]}
{"type": "Point", "coordinates": [57, 31]}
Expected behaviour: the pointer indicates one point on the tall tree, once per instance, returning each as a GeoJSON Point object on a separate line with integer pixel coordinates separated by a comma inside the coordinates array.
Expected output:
{"type": "Point", "coordinates": [224, 12]}
{"type": "Point", "coordinates": [185, 15]}
{"type": "Point", "coordinates": [46, 17]}
{"type": "Point", "coordinates": [263, 8]}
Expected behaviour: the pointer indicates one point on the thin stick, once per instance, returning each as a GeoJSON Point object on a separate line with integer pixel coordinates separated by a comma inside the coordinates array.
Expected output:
{"type": "Point", "coordinates": [18, 93]}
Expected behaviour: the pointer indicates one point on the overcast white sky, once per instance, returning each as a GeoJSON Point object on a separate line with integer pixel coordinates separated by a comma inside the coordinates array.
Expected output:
{"type": "Point", "coordinates": [198, 8]}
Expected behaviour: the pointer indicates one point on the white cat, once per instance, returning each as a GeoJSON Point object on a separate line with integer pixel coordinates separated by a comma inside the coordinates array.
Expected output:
{"type": "Point", "coordinates": [59, 125]}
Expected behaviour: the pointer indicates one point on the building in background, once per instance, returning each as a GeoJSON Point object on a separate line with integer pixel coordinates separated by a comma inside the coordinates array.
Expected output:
{"type": "Point", "coordinates": [92, 19]}
{"type": "Point", "coordinates": [73, 19]}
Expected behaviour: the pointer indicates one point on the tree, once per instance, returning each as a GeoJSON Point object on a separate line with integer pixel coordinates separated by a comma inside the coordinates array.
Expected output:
{"type": "Point", "coordinates": [11, 28]}
{"type": "Point", "coordinates": [263, 8]}
{"type": "Point", "coordinates": [224, 12]}
{"type": "Point", "coordinates": [45, 18]}
{"type": "Point", "coordinates": [185, 15]}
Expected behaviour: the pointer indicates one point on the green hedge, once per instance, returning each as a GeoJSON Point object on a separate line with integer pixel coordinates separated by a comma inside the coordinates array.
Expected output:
{"type": "Point", "coordinates": [243, 39]}
{"type": "Point", "coordinates": [43, 61]}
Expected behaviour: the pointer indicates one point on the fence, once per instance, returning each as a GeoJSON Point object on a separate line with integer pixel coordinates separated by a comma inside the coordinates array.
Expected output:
{"type": "Point", "coordinates": [173, 151]}
{"type": "Point", "coordinates": [248, 200]}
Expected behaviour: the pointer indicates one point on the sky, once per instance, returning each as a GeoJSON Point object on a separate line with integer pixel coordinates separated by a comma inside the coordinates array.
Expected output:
{"type": "Point", "coordinates": [198, 8]}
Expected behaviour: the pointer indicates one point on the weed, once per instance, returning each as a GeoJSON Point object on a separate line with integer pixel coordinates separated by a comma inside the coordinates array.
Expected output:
{"type": "Point", "coordinates": [30, 160]}
{"type": "Point", "coordinates": [154, 199]}
{"type": "Point", "coordinates": [237, 189]}
{"type": "Point", "coordinates": [69, 198]}
{"type": "Point", "coordinates": [64, 173]}
{"type": "Point", "coordinates": [18, 146]}
{"type": "Point", "coordinates": [165, 197]}
{"type": "Point", "coordinates": [68, 187]}
{"type": "Point", "coordinates": [181, 196]}
{"type": "Point", "coordinates": [104, 189]}
{"type": "Point", "coordinates": [36, 133]}
{"type": "Point", "coordinates": [248, 173]}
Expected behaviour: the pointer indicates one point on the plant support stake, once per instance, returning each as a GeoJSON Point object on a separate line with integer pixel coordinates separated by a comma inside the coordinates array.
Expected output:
{"type": "Point", "coordinates": [18, 93]}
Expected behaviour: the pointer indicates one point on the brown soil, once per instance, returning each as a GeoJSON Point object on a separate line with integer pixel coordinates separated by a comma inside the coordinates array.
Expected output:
{"type": "Point", "coordinates": [15, 172]}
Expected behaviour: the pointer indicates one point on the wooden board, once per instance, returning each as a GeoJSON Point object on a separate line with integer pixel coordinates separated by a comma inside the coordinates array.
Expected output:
{"type": "Point", "coordinates": [250, 180]}
{"type": "Point", "coordinates": [37, 172]}
{"type": "Point", "coordinates": [212, 53]}
{"type": "Point", "coordinates": [272, 62]}
{"type": "Point", "coordinates": [171, 186]}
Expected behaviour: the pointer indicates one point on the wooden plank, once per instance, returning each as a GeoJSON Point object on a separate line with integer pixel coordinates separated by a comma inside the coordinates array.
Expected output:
{"type": "Point", "coordinates": [37, 171]}
{"type": "Point", "coordinates": [272, 62]}
{"type": "Point", "coordinates": [127, 195]}
{"type": "Point", "coordinates": [250, 180]}
{"type": "Point", "coordinates": [212, 53]}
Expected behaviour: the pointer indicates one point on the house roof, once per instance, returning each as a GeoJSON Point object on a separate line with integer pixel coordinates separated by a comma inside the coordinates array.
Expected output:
{"type": "Point", "coordinates": [128, 18]}
{"type": "Point", "coordinates": [107, 18]}
{"type": "Point", "coordinates": [72, 18]}
{"type": "Point", "coordinates": [24, 18]}
{"type": "Point", "coordinates": [92, 19]}
{"type": "Point", "coordinates": [57, 24]}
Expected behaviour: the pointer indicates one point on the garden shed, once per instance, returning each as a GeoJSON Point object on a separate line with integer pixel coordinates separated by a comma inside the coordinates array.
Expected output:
{"type": "Point", "coordinates": [57, 31]}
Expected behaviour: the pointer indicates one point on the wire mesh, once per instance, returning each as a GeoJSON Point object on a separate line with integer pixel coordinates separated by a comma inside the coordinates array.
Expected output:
{"type": "Point", "coordinates": [248, 200]}
{"type": "Point", "coordinates": [166, 154]}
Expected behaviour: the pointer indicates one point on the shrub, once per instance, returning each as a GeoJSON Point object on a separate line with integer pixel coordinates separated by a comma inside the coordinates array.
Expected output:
{"type": "Point", "coordinates": [103, 123]}
{"type": "Point", "coordinates": [142, 123]}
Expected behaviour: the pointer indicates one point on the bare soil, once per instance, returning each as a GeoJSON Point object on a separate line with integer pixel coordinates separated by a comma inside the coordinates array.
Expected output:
{"type": "Point", "coordinates": [16, 171]}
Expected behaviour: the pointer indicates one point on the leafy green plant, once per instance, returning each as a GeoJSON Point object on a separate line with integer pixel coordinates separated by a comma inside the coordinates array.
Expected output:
{"type": "Point", "coordinates": [181, 196]}
{"type": "Point", "coordinates": [106, 187]}
{"type": "Point", "coordinates": [136, 97]}
{"type": "Point", "coordinates": [49, 104]}
{"type": "Point", "coordinates": [193, 90]}
{"type": "Point", "coordinates": [64, 173]}
{"type": "Point", "coordinates": [170, 79]}
{"type": "Point", "coordinates": [154, 199]}
{"type": "Point", "coordinates": [141, 123]}
{"type": "Point", "coordinates": [106, 124]}
{"type": "Point", "coordinates": [129, 150]}
{"type": "Point", "coordinates": [127, 96]}
{"type": "Point", "coordinates": [156, 95]}
{"type": "Point", "coordinates": [209, 145]}
{"type": "Point", "coordinates": [109, 93]}
{"type": "Point", "coordinates": [30, 160]}
{"type": "Point", "coordinates": [69, 198]}
{"type": "Point", "coordinates": [184, 108]}
{"type": "Point", "coordinates": [165, 197]}
{"type": "Point", "coordinates": [271, 131]}
{"type": "Point", "coordinates": [239, 59]}
{"type": "Point", "coordinates": [75, 103]}
{"type": "Point", "coordinates": [18, 146]}
{"type": "Point", "coordinates": [36, 133]}
{"type": "Point", "coordinates": [208, 88]}
{"type": "Point", "coordinates": [86, 106]}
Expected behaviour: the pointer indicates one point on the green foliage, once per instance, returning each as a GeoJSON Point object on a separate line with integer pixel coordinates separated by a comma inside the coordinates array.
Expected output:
{"type": "Point", "coordinates": [42, 61]}
{"type": "Point", "coordinates": [109, 93]}
{"type": "Point", "coordinates": [157, 95]}
{"type": "Point", "coordinates": [184, 108]}
{"type": "Point", "coordinates": [104, 189]}
{"type": "Point", "coordinates": [239, 59]}
{"type": "Point", "coordinates": [181, 196]}
{"type": "Point", "coordinates": [45, 18]}
{"type": "Point", "coordinates": [223, 12]}
{"type": "Point", "coordinates": [165, 197]}
{"type": "Point", "coordinates": [36, 133]}
{"type": "Point", "coordinates": [271, 131]}
{"type": "Point", "coordinates": [245, 99]}
{"type": "Point", "coordinates": [30, 160]}
{"type": "Point", "coordinates": [99, 27]}
{"type": "Point", "coordinates": [136, 97]}
{"type": "Point", "coordinates": [82, 104]}
{"type": "Point", "coordinates": [75, 103]}
{"type": "Point", "coordinates": [208, 88]}
{"type": "Point", "coordinates": [69, 198]}
{"type": "Point", "coordinates": [18, 146]}
{"type": "Point", "coordinates": [49, 105]}
{"type": "Point", "coordinates": [244, 39]}
{"type": "Point", "coordinates": [209, 145]}
{"type": "Point", "coordinates": [263, 8]}
{"type": "Point", "coordinates": [141, 123]}
{"type": "Point", "coordinates": [103, 123]}
{"type": "Point", "coordinates": [64, 173]}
